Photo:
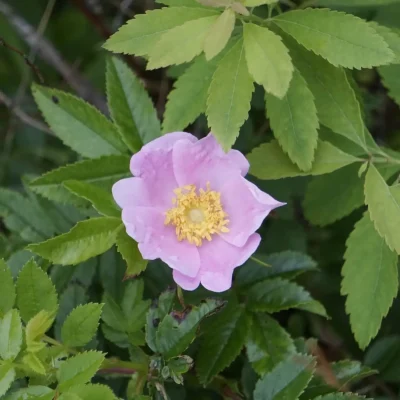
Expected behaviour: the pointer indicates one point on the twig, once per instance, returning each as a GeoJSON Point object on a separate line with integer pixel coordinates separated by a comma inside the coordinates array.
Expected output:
{"type": "Point", "coordinates": [93, 18]}
{"type": "Point", "coordinates": [128, 13]}
{"type": "Point", "coordinates": [385, 388]}
{"type": "Point", "coordinates": [104, 31]}
{"type": "Point", "coordinates": [31, 65]}
{"type": "Point", "coordinates": [26, 77]}
{"type": "Point", "coordinates": [122, 11]}
{"type": "Point", "coordinates": [49, 54]}
{"type": "Point", "coordinates": [19, 113]}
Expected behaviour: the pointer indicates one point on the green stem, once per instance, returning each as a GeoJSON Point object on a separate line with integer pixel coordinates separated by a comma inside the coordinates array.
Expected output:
{"type": "Point", "coordinates": [54, 342]}
{"type": "Point", "coordinates": [385, 158]}
{"type": "Point", "coordinates": [181, 299]}
{"type": "Point", "coordinates": [258, 261]}
{"type": "Point", "coordinates": [252, 18]}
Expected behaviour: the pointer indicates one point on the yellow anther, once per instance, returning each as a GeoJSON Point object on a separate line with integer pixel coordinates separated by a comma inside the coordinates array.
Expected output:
{"type": "Point", "coordinates": [196, 215]}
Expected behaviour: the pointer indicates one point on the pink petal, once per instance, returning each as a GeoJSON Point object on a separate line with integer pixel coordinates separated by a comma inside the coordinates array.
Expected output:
{"type": "Point", "coordinates": [247, 207]}
{"type": "Point", "coordinates": [164, 143]}
{"type": "Point", "coordinates": [201, 162]}
{"type": "Point", "coordinates": [156, 240]}
{"type": "Point", "coordinates": [219, 259]}
{"type": "Point", "coordinates": [238, 159]}
{"type": "Point", "coordinates": [185, 282]}
{"type": "Point", "coordinates": [157, 173]}
{"type": "Point", "coordinates": [167, 141]}
{"type": "Point", "coordinates": [131, 192]}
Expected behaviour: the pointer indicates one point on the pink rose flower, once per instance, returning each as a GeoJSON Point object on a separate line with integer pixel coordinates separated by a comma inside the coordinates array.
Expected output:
{"type": "Point", "coordinates": [190, 205]}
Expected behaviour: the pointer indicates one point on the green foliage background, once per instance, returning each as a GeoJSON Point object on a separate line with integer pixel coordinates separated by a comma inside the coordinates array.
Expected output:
{"type": "Point", "coordinates": [308, 90]}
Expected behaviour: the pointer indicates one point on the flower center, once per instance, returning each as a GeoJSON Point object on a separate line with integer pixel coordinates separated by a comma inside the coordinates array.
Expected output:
{"type": "Point", "coordinates": [197, 214]}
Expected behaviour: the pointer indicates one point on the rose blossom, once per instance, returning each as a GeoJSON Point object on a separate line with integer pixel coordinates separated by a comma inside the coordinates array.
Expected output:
{"type": "Point", "coordinates": [190, 205]}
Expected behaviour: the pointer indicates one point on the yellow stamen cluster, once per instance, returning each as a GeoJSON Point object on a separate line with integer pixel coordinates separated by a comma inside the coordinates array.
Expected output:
{"type": "Point", "coordinates": [196, 215]}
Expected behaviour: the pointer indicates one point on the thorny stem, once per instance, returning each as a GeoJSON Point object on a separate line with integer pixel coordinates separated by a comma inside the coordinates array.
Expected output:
{"type": "Point", "coordinates": [116, 366]}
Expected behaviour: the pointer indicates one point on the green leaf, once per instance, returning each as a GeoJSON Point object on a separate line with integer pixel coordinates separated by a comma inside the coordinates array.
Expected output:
{"type": "Point", "coordinates": [130, 106]}
{"type": "Point", "coordinates": [10, 335]}
{"type": "Point", "coordinates": [93, 392]}
{"type": "Point", "coordinates": [193, 84]}
{"type": "Point", "coordinates": [335, 100]}
{"type": "Point", "coordinates": [180, 3]}
{"type": "Point", "coordinates": [74, 295]}
{"type": "Point", "coordinates": [7, 289]}
{"type": "Point", "coordinates": [383, 355]}
{"type": "Point", "coordinates": [22, 217]}
{"type": "Point", "coordinates": [332, 197]}
{"type": "Point", "coordinates": [274, 295]}
{"type": "Point", "coordinates": [355, 44]}
{"type": "Point", "coordinates": [156, 314]}
{"type": "Point", "coordinates": [180, 44]}
{"type": "Point", "coordinates": [69, 396]}
{"type": "Point", "coordinates": [286, 264]}
{"type": "Point", "coordinates": [287, 380]}
{"type": "Point", "coordinates": [79, 369]}
{"type": "Point", "coordinates": [83, 274]}
{"type": "Point", "coordinates": [390, 79]}
{"type": "Point", "coordinates": [79, 125]}
{"type": "Point", "coordinates": [219, 33]}
{"type": "Point", "coordinates": [36, 328]}
{"type": "Point", "coordinates": [356, 3]}
{"type": "Point", "coordinates": [134, 308]}
{"type": "Point", "coordinates": [268, 161]}
{"type": "Point", "coordinates": [31, 392]}
{"type": "Point", "coordinates": [113, 315]}
{"type": "Point", "coordinates": [268, 59]}
{"type": "Point", "coordinates": [81, 325]}
{"type": "Point", "coordinates": [350, 371]}
{"type": "Point", "coordinates": [129, 251]}
{"type": "Point", "coordinates": [130, 317]}
{"type": "Point", "coordinates": [346, 373]}
{"type": "Point", "coordinates": [368, 303]}
{"type": "Point", "coordinates": [267, 344]}
{"type": "Point", "coordinates": [140, 35]}
{"type": "Point", "coordinates": [7, 376]}
{"type": "Point", "coordinates": [101, 199]}
{"type": "Point", "coordinates": [176, 332]}
{"type": "Point", "coordinates": [340, 396]}
{"type": "Point", "coordinates": [294, 122]}
{"type": "Point", "coordinates": [35, 292]}
{"type": "Point", "coordinates": [222, 342]}
{"type": "Point", "coordinates": [32, 361]}
{"type": "Point", "coordinates": [104, 171]}
{"type": "Point", "coordinates": [391, 38]}
{"type": "Point", "coordinates": [112, 278]}
{"type": "Point", "coordinates": [229, 96]}
{"type": "Point", "coordinates": [384, 207]}
{"type": "Point", "coordinates": [87, 239]}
